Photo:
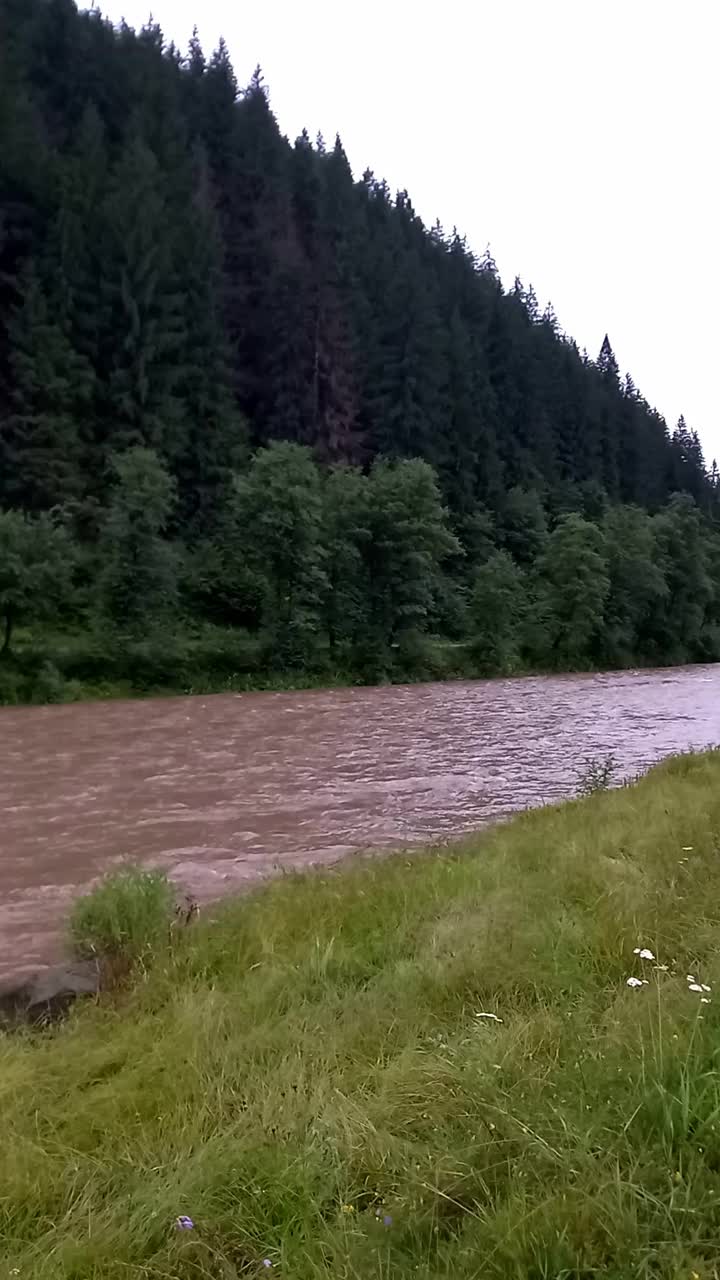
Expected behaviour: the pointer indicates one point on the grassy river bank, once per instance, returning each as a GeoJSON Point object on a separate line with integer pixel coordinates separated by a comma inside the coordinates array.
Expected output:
{"type": "Point", "coordinates": [428, 1065]}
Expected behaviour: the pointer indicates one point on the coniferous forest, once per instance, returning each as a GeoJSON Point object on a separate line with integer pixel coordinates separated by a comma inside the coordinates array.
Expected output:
{"type": "Point", "coordinates": [258, 422]}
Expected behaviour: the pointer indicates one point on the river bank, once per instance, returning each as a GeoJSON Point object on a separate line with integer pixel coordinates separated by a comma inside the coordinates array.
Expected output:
{"type": "Point", "coordinates": [429, 1065]}
{"type": "Point", "coordinates": [69, 666]}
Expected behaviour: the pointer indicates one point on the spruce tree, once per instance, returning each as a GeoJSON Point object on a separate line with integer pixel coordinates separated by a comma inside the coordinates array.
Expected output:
{"type": "Point", "coordinates": [51, 385]}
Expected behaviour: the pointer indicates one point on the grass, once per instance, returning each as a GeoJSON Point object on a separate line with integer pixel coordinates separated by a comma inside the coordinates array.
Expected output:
{"type": "Point", "coordinates": [308, 1076]}
{"type": "Point", "coordinates": [125, 920]}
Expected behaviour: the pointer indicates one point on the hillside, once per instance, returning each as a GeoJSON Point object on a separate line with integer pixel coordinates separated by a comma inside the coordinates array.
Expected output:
{"type": "Point", "coordinates": [181, 287]}
{"type": "Point", "coordinates": [428, 1066]}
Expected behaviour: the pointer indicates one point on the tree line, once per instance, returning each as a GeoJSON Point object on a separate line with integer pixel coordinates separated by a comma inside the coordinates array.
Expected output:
{"type": "Point", "coordinates": [242, 391]}
{"type": "Point", "coordinates": [357, 574]}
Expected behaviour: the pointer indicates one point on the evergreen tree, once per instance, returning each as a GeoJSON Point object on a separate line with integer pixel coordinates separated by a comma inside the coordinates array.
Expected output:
{"type": "Point", "coordinates": [213, 441]}
{"type": "Point", "coordinates": [687, 466]}
{"type": "Point", "coordinates": [142, 344]}
{"type": "Point", "coordinates": [606, 362]}
{"type": "Point", "coordinates": [51, 386]}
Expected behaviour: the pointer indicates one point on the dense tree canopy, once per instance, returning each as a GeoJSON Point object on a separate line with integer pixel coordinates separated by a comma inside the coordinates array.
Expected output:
{"type": "Point", "coordinates": [255, 393]}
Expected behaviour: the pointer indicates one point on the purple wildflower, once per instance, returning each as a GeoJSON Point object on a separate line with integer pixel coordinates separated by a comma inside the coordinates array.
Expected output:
{"type": "Point", "coordinates": [387, 1220]}
{"type": "Point", "coordinates": [184, 1223]}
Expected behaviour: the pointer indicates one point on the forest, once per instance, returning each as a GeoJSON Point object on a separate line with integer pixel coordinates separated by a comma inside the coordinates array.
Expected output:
{"type": "Point", "coordinates": [260, 424]}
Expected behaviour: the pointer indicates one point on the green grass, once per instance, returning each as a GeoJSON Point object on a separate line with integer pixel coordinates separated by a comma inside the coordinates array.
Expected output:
{"type": "Point", "coordinates": [125, 920]}
{"type": "Point", "coordinates": [314, 1057]}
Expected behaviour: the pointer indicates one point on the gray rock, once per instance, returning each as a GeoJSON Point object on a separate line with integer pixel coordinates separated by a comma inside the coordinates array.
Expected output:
{"type": "Point", "coordinates": [48, 995]}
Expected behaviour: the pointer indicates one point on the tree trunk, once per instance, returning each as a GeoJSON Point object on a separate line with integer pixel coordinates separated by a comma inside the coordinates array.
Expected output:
{"type": "Point", "coordinates": [9, 620]}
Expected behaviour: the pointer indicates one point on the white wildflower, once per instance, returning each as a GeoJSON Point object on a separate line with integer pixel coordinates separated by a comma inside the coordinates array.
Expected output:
{"type": "Point", "coordinates": [690, 977]}
{"type": "Point", "coordinates": [662, 968]}
{"type": "Point", "coordinates": [694, 986]}
{"type": "Point", "coordinates": [492, 1016]}
{"type": "Point", "coordinates": [687, 848]}
{"type": "Point", "coordinates": [704, 1000]}
{"type": "Point", "coordinates": [704, 986]}
{"type": "Point", "coordinates": [637, 982]}
{"type": "Point", "coordinates": [644, 953]}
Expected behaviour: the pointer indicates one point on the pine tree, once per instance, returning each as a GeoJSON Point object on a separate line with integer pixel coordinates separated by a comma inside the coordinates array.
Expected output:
{"type": "Point", "coordinates": [40, 452]}
{"type": "Point", "coordinates": [140, 353]}
{"type": "Point", "coordinates": [687, 467]}
{"type": "Point", "coordinates": [213, 443]}
{"type": "Point", "coordinates": [606, 362]}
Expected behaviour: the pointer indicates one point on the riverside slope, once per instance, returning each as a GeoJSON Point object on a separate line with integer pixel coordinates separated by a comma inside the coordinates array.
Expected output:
{"type": "Point", "coordinates": [427, 1065]}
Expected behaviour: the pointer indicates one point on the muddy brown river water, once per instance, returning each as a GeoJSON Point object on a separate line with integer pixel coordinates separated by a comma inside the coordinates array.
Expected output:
{"type": "Point", "coordinates": [222, 790]}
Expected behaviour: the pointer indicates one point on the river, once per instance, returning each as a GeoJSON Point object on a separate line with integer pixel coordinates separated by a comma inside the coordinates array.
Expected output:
{"type": "Point", "coordinates": [221, 790]}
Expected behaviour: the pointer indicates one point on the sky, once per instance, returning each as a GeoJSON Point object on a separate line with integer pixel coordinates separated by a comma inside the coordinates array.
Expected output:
{"type": "Point", "coordinates": [579, 140]}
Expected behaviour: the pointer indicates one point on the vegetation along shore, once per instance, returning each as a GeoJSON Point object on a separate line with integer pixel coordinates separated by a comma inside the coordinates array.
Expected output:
{"type": "Point", "coordinates": [497, 1059]}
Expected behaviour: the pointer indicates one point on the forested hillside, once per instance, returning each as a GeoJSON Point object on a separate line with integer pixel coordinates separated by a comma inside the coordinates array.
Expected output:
{"type": "Point", "coordinates": [255, 417]}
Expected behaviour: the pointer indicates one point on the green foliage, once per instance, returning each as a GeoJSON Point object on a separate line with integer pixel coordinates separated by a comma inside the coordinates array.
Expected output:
{"type": "Point", "coordinates": [125, 919]}
{"type": "Point", "coordinates": [348, 537]}
{"type": "Point", "coordinates": [278, 509]}
{"type": "Point", "coordinates": [409, 540]}
{"type": "Point", "coordinates": [498, 603]}
{"type": "Point", "coordinates": [343, 575]}
{"type": "Point", "coordinates": [575, 584]}
{"type": "Point", "coordinates": [138, 574]}
{"type": "Point", "coordinates": [261, 395]}
{"type": "Point", "coordinates": [684, 557]}
{"type": "Point", "coordinates": [51, 386]}
{"type": "Point", "coordinates": [596, 774]}
{"type": "Point", "coordinates": [320, 1054]}
{"type": "Point", "coordinates": [523, 525]}
{"type": "Point", "coordinates": [35, 569]}
{"type": "Point", "coordinates": [638, 586]}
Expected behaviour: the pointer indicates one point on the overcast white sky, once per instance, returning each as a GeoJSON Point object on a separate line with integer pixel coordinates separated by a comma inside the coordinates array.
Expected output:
{"type": "Point", "coordinates": [578, 138]}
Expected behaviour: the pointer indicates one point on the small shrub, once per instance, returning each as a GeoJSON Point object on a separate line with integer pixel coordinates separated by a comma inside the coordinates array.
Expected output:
{"type": "Point", "coordinates": [48, 685]}
{"type": "Point", "coordinates": [11, 687]}
{"type": "Point", "coordinates": [124, 920]}
{"type": "Point", "coordinates": [597, 773]}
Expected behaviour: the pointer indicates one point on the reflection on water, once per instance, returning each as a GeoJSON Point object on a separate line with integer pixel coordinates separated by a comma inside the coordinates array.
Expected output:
{"type": "Point", "coordinates": [221, 789]}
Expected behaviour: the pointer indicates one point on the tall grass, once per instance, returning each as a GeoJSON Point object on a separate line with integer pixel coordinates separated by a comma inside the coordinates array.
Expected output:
{"type": "Point", "coordinates": [124, 919]}
{"type": "Point", "coordinates": [423, 1066]}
